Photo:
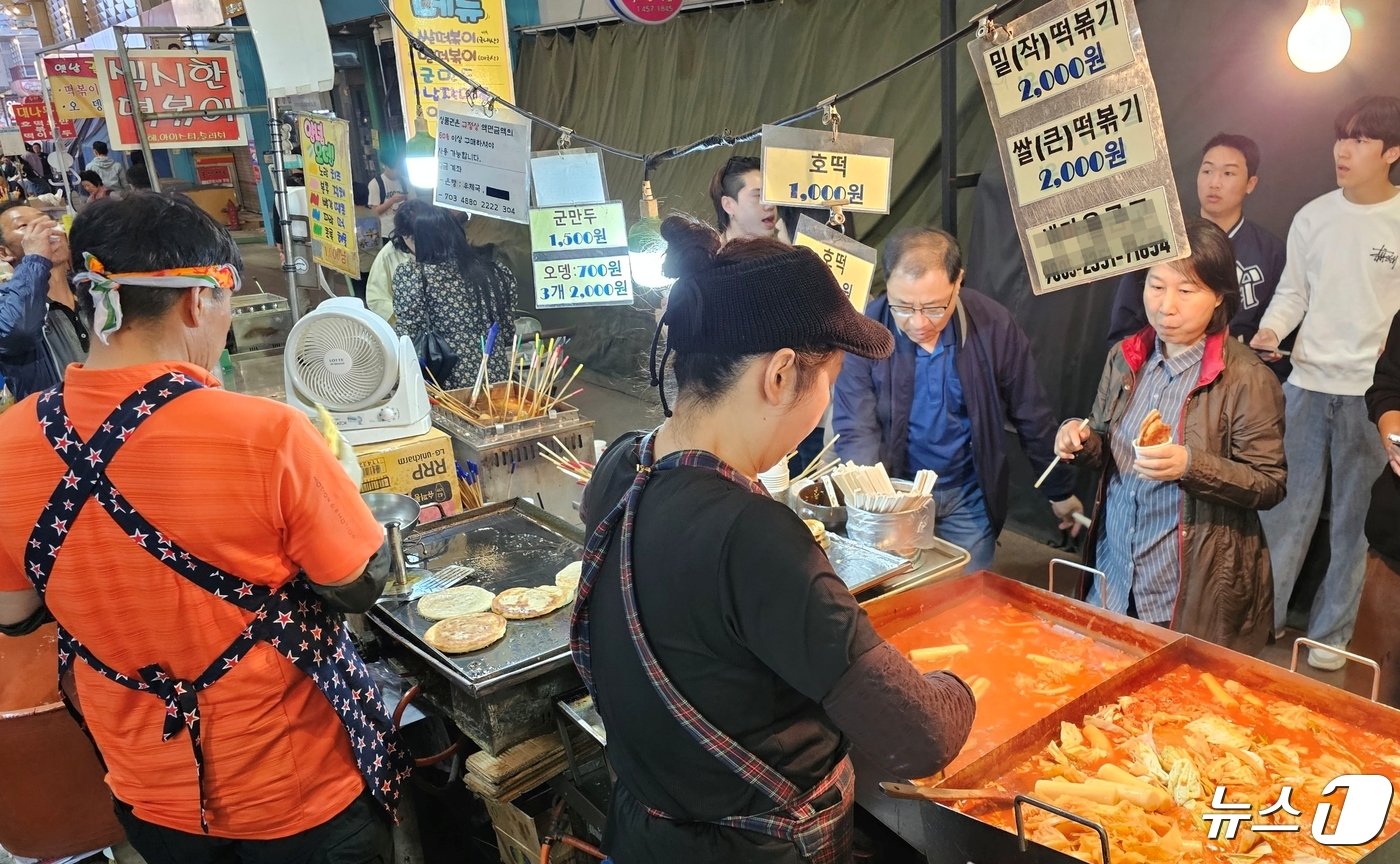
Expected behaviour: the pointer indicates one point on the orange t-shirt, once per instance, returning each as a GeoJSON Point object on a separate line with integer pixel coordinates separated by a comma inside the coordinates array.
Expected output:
{"type": "Point", "coordinates": [247, 485]}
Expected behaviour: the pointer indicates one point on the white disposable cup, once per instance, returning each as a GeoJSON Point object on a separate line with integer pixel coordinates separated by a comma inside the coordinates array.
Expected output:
{"type": "Point", "coordinates": [776, 479]}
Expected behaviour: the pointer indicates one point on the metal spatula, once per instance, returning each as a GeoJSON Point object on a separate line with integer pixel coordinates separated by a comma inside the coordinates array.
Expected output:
{"type": "Point", "coordinates": [440, 581]}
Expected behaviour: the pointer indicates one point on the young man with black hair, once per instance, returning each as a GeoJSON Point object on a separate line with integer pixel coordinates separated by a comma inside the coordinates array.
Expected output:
{"type": "Point", "coordinates": [736, 193]}
{"type": "Point", "coordinates": [198, 599]}
{"type": "Point", "coordinates": [1339, 289]}
{"type": "Point", "coordinates": [1229, 173]}
{"type": "Point", "coordinates": [112, 172]}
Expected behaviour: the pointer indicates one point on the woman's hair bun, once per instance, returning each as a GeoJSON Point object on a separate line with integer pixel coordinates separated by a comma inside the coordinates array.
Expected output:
{"type": "Point", "coordinates": [691, 246]}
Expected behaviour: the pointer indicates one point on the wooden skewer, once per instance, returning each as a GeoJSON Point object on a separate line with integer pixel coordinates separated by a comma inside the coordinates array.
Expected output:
{"type": "Point", "coordinates": [816, 460]}
{"type": "Point", "coordinates": [539, 383]}
{"type": "Point", "coordinates": [1083, 424]}
{"type": "Point", "coordinates": [510, 375]}
{"type": "Point", "coordinates": [556, 400]}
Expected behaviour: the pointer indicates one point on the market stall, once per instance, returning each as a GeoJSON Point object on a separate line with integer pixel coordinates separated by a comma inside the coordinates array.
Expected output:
{"type": "Point", "coordinates": [1102, 738]}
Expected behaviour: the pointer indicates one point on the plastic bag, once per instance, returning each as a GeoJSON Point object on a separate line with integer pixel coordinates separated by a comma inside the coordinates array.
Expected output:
{"type": "Point", "coordinates": [902, 534]}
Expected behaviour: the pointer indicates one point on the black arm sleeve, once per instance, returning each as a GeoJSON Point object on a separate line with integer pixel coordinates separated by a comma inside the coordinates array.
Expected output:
{"type": "Point", "coordinates": [909, 725]}
{"type": "Point", "coordinates": [39, 618]}
{"type": "Point", "coordinates": [1384, 394]}
{"type": "Point", "coordinates": [364, 592]}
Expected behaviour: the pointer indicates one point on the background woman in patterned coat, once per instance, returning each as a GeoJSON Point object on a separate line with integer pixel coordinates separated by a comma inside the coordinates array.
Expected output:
{"type": "Point", "coordinates": [458, 291]}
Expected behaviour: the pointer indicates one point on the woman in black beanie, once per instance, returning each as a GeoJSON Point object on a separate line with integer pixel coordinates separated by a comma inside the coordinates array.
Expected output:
{"type": "Point", "coordinates": [731, 666]}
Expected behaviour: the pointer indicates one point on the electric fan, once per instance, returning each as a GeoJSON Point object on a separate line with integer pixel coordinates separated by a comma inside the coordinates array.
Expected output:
{"type": "Point", "coordinates": [345, 357]}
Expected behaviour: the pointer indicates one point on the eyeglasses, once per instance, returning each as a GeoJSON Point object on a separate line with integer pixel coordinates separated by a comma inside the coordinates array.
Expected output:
{"type": "Point", "coordinates": [931, 312]}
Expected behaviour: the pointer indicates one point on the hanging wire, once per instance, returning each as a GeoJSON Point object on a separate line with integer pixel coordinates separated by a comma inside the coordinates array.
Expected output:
{"type": "Point", "coordinates": [724, 139]}
{"type": "Point", "coordinates": [417, 90]}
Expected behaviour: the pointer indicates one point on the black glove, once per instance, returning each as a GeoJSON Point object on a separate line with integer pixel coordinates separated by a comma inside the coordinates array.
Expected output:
{"type": "Point", "coordinates": [364, 592]}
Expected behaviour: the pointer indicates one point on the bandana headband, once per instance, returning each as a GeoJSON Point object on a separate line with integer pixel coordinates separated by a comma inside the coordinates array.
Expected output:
{"type": "Point", "coordinates": [107, 304]}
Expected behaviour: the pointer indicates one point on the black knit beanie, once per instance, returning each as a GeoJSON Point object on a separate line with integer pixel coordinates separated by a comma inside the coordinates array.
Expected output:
{"type": "Point", "coordinates": [756, 305]}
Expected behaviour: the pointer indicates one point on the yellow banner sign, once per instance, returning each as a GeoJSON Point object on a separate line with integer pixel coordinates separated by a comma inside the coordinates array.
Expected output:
{"type": "Point", "coordinates": [325, 154]}
{"type": "Point", "coordinates": [470, 35]}
{"type": "Point", "coordinates": [73, 87]}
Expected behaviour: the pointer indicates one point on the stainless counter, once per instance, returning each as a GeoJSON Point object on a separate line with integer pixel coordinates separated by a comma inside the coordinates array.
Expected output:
{"type": "Point", "coordinates": [257, 373]}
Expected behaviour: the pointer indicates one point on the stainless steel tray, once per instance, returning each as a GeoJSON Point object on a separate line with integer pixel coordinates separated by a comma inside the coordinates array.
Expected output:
{"type": "Point", "coordinates": [509, 545]}
{"type": "Point", "coordinates": [863, 567]}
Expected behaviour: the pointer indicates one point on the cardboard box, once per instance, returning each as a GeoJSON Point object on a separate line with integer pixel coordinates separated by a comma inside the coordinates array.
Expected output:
{"type": "Point", "coordinates": [421, 467]}
{"type": "Point", "coordinates": [521, 826]}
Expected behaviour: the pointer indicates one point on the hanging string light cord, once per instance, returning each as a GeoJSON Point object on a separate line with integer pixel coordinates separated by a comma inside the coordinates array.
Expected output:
{"type": "Point", "coordinates": [724, 139]}
{"type": "Point", "coordinates": [413, 64]}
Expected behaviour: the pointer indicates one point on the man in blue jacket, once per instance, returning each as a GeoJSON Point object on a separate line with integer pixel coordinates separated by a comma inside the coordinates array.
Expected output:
{"type": "Point", "coordinates": [942, 400]}
{"type": "Point", "coordinates": [40, 330]}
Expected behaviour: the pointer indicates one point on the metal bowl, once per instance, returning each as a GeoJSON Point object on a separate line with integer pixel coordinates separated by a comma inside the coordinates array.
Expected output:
{"type": "Point", "coordinates": [802, 499]}
{"type": "Point", "coordinates": [389, 507]}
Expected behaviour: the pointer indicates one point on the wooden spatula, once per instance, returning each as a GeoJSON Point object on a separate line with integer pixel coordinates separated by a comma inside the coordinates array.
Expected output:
{"type": "Point", "coordinates": [940, 795]}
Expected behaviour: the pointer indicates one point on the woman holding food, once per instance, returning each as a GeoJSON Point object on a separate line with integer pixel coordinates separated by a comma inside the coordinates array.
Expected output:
{"type": "Point", "coordinates": [1187, 435]}
{"type": "Point", "coordinates": [731, 666]}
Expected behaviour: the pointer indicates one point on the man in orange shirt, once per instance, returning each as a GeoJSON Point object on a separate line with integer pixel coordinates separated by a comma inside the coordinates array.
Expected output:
{"type": "Point", "coordinates": [196, 548]}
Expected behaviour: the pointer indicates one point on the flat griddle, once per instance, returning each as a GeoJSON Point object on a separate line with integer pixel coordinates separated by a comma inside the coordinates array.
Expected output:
{"type": "Point", "coordinates": [513, 544]}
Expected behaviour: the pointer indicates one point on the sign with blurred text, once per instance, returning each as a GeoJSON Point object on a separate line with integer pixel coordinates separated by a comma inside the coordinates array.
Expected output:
{"type": "Point", "coordinates": [1074, 109]}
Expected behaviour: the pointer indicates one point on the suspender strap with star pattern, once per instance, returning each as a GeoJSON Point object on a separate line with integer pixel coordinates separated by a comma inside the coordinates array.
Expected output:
{"type": "Point", "coordinates": [291, 619]}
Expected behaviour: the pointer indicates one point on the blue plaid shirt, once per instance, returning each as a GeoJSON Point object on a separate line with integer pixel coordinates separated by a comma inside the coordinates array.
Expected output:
{"type": "Point", "coordinates": [1137, 546]}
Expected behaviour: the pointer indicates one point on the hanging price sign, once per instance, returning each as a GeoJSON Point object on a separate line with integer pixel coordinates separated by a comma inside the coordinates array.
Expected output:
{"type": "Point", "coordinates": [483, 165]}
{"type": "Point", "coordinates": [580, 256]}
{"type": "Point", "coordinates": [817, 168]}
{"type": "Point", "coordinates": [1075, 110]}
{"type": "Point", "coordinates": [1078, 148]}
{"type": "Point", "coordinates": [1071, 49]}
{"type": "Point", "coordinates": [851, 262]}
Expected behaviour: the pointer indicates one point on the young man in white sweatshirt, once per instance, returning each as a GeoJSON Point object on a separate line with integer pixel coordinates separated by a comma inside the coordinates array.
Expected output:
{"type": "Point", "coordinates": [1340, 288]}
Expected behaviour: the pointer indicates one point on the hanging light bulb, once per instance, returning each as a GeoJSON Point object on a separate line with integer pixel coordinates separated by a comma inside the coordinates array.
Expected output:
{"type": "Point", "coordinates": [1321, 37]}
{"type": "Point", "coordinates": [420, 155]}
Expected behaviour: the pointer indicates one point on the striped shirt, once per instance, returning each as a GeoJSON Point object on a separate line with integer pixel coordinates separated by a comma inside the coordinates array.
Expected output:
{"type": "Point", "coordinates": [1137, 547]}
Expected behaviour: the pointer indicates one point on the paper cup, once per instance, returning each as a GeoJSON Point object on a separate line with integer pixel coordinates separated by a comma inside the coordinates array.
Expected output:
{"type": "Point", "coordinates": [776, 480]}
{"type": "Point", "coordinates": [1155, 450]}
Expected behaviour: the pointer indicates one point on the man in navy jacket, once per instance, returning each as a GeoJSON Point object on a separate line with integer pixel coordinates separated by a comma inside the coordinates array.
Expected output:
{"type": "Point", "coordinates": [960, 369]}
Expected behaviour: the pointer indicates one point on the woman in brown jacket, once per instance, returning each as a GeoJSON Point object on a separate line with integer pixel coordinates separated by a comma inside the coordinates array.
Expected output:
{"type": "Point", "coordinates": [1176, 526]}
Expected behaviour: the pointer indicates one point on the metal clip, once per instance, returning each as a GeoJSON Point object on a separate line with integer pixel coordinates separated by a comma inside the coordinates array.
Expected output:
{"type": "Point", "coordinates": [481, 99]}
{"type": "Point", "coordinates": [831, 117]}
{"type": "Point", "coordinates": [989, 30]}
{"type": "Point", "coordinates": [566, 137]}
{"type": "Point", "coordinates": [837, 218]}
